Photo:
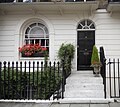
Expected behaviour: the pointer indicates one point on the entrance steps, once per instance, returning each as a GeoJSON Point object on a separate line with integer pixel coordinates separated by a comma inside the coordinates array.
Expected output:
{"type": "Point", "coordinates": [83, 84]}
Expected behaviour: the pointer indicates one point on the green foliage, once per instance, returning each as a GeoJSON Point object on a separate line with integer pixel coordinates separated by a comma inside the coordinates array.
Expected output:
{"type": "Point", "coordinates": [95, 57]}
{"type": "Point", "coordinates": [66, 54]}
{"type": "Point", "coordinates": [69, 48]}
{"type": "Point", "coordinates": [47, 82]}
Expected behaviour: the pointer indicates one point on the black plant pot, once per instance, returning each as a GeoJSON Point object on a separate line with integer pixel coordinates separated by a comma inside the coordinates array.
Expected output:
{"type": "Point", "coordinates": [40, 54]}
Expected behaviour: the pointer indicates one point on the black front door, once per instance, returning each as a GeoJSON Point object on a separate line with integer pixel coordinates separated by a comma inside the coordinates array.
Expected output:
{"type": "Point", "coordinates": [86, 40]}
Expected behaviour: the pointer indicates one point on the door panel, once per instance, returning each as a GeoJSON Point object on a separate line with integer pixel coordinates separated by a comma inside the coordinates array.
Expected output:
{"type": "Point", "coordinates": [86, 40]}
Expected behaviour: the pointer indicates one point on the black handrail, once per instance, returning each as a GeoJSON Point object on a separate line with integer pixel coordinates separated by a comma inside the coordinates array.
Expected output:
{"type": "Point", "coordinates": [103, 68]}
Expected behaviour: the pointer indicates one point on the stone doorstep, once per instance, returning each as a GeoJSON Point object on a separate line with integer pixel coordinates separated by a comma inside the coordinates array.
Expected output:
{"type": "Point", "coordinates": [86, 100]}
{"type": "Point", "coordinates": [84, 95]}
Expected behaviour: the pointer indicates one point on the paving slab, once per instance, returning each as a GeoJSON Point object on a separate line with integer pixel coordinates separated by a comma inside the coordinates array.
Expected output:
{"type": "Point", "coordinates": [99, 105]}
{"type": "Point", "coordinates": [41, 105]}
{"type": "Point", "coordinates": [22, 105]}
{"type": "Point", "coordinates": [60, 105]}
{"type": "Point", "coordinates": [79, 105]}
{"type": "Point", "coordinates": [6, 104]}
{"type": "Point", "coordinates": [114, 104]}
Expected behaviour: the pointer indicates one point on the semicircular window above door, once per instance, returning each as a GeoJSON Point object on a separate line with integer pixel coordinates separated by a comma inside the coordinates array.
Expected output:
{"type": "Point", "coordinates": [85, 42]}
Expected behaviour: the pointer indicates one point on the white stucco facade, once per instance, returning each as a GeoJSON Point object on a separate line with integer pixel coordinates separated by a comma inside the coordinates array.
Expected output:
{"type": "Point", "coordinates": [62, 26]}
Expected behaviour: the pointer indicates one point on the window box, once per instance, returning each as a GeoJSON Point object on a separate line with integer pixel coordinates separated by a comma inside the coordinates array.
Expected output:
{"type": "Point", "coordinates": [38, 54]}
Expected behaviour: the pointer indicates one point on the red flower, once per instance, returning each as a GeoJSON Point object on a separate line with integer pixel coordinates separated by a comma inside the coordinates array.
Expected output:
{"type": "Point", "coordinates": [44, 49]}
{"type": "Point", "coordinates": [30, 49]}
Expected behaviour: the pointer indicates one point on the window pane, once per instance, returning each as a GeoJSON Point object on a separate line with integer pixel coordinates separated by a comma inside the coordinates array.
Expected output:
{"type": "Point", "coordinates": [47, 42]}
{"type": "Point", "coordinates": [92, 26]}
{"type": "Point", "coordinates": [32, 41]}
{"type": "Point", "coordinates": [27, 30]}
{"type": "Point", "coordinates": [36, 33]}
{"type": "Point", "coordinates": [41, 25]}
{"type": "Point", "coordinates": [79, 26]}
{"type": "Point", "coordinates": [32, 25]}
{"type": "Point", "coordinates": [83, 23]}
{"type": "Point", "coordinates": [26, 36]}
{"type": "Point", "coordinates": [36, 30]}
{"type": "Point", "coordinates": [88, 22]}
{"type": "Point", "coordinates": [43, 42]}
{"type": "Point", "coordinates": [37, 41]}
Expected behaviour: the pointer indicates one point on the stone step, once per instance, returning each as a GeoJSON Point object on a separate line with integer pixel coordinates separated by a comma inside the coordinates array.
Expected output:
{"type": "Point", "coordinates": [85, 86]}
{"type": "Point", "coordinates": [84, 94]}
{"type": "Point", "coordinates": [84, 80]}
{"type": "Point", "coordinates": [81, 74]}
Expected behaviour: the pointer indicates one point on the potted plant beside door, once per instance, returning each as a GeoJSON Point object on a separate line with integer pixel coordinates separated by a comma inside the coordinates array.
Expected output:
{"type": "Point", "coordinates": [95, 61]}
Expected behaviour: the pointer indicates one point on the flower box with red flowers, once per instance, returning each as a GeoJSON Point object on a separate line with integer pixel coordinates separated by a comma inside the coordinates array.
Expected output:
{"type": "Point", "coordinates": [32, 50]}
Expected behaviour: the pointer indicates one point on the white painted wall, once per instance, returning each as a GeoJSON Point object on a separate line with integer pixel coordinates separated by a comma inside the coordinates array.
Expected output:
{"type": "Point", "coordinates": [62, 29]}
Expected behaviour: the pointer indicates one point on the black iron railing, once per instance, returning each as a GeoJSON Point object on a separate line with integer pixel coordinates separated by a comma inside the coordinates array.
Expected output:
{"type": "Point", "coordinates": [111, 75]}
{"type": "Point", "coordinates": [32, 80]}
{"type": "Point", "coordinates": [114, 78]}
{"type": "Point", "coordinates": [103, 68]}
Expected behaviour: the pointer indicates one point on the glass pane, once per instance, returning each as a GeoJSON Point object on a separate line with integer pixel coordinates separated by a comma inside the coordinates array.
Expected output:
{"type": "Point", "coordinates": [83, 23]}
{"type": "Point", "coordinates": [36, 41]}
{"type": "Point", "coordinates": [88, 22]}
{"type": "Point", "coordinates": [27, 30]}
{"type": "Point", "coordinates": [41, 25]}
{"type": "Point", "coordinates": [47, 42]}
{"type": "Point", "coordinates": [92, 26]}
{"type": "Point", "coordinates": [31, 41]}
{"type": "Point", "coordinates": [32, 25]}
{"type": "Point", "coordinates": [36, 32]}
{"type": "Point", "coordinates": [26, 36]}
{"type": "Point", "coordinates": [79, 27]}
{"type": "Point", "coordinates": [42, 42]}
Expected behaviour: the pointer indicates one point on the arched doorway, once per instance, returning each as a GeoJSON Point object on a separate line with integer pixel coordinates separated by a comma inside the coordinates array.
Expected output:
{"type": "Point", "coordinates": [85, 42]}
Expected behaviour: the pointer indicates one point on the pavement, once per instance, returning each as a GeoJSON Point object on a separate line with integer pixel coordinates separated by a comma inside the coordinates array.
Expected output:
{"type": "Point", "coordinates": [59, 104]}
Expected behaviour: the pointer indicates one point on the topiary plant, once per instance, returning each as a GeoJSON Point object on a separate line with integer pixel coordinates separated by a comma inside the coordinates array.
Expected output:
{"type": "Point", "coordinates": [95, 58]}
{"type": "Point", "coordinates": [95, 61]}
